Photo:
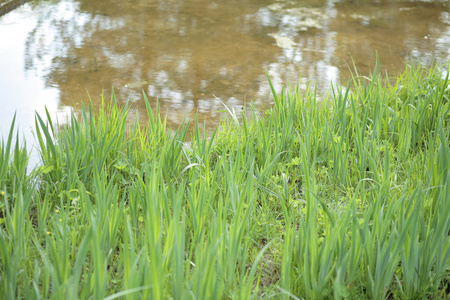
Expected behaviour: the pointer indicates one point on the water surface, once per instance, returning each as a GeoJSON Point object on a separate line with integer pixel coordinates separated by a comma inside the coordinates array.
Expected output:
{"type": "Point", "coordinates": [193, 54]}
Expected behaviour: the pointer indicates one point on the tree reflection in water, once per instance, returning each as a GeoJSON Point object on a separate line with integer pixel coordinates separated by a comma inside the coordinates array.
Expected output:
{"type": "Point", "coordinates": [183, 52]}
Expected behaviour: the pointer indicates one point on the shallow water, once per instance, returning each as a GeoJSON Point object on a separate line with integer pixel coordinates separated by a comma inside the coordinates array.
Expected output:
{"type": "Point", "coordinates": [193, 54]}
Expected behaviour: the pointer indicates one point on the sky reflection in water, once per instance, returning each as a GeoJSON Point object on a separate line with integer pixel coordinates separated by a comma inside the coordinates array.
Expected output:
{"type": "Point", "coordinates": [187, 53]}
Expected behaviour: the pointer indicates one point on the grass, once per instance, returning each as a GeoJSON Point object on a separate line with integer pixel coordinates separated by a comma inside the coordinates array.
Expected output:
{"type": "Point", "coordinates": [343, 198]}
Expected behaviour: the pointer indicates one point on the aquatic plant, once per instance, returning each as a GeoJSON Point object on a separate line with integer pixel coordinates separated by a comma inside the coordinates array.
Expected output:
{"type": "Point", "coordinates": [343, 198]}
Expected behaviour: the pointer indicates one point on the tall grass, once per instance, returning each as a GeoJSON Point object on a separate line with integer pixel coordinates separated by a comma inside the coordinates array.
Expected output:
{"type": "Point", "coordinates": [343, 198]}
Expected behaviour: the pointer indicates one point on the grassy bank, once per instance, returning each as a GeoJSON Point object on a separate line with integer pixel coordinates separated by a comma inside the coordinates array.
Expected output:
{"type": "Point", "coordinates": [346, 198]}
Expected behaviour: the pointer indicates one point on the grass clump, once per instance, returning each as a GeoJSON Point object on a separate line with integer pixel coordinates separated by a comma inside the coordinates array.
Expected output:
{"type": "Point", "coordinates": [343, 198]}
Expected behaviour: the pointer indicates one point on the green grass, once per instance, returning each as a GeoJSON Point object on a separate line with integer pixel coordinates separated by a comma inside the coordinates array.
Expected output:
{"type": "Point", "coordinates": [344, 198]}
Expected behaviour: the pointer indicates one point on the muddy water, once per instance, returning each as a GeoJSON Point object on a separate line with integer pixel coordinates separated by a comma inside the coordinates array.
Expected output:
{"type": "Point", "coordinates": [193, 54]}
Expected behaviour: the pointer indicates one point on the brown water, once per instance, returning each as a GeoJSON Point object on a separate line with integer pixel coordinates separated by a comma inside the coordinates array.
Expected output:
{"type": "Point", "coordinates": [191, 53]}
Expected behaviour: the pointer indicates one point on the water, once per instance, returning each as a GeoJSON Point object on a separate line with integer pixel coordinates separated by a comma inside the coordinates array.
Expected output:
{"type": "Point", "coordinates": [194, 54]}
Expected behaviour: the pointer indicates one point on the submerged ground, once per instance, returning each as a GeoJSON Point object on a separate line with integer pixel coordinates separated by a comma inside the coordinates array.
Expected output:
{"type": "Point", "coordinates": [344, 198]}
{"type": "Point", "coordinates": [188, 53]}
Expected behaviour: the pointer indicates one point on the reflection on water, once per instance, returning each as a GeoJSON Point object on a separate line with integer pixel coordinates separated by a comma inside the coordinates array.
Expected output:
{"type": "Point", "coordinates": [183, 52]}
{"type": "Point", "coordinates": [8, 5]}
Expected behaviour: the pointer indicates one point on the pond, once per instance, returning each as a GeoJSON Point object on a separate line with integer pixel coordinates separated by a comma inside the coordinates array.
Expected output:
{"type": "Point", "coordinates": [192, 55]}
